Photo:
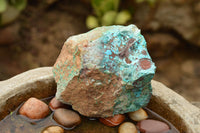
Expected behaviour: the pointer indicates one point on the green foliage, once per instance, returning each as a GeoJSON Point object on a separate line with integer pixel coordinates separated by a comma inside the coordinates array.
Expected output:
{"type": "Point", "coordinates": [10, 10]}
{"type": "Point", "coordinates": [106, 14]}
{"type": "Point", "coordinates": [9, 15]}
{"type": "Point", "coordinates": [122, 17]}
{"type": "Point", "coordinates": [3, 5]}
{"type": "Point", "coordinates": [103, 6]}
{"type": "Point", "coordinates": [18, 4]}
{"type": "Point", "coordinates": [108, 18]}
{"type": "Point", "coordinates": [92, 22]}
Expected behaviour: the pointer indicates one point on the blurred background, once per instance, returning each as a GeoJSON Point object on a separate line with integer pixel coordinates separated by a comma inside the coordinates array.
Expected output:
{"type": "Point", "coordinates": [32, 33]}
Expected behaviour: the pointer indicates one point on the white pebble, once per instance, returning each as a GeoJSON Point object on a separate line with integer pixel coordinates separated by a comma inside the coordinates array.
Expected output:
{"type": "Point", "coordinates": [127, 127]}
{"type": "Point", "coordinates": [138, 115]}
{"type": "Point", "coordinates": [53, 129]}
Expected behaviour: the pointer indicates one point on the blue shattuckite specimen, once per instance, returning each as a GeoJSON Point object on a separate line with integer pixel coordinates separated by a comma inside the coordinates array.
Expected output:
{"type": "Point", "coordinates": [105, 71]}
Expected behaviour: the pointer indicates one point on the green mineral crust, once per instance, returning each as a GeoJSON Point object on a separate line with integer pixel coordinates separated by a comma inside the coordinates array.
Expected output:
{"type": "Point", "coordinates": [105, 71]}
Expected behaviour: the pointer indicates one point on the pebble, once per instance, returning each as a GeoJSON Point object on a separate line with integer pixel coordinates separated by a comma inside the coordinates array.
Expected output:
{"type": "Point", "coordinates": [53, 129]}
{"type": "Point", "coordinates": [55, 104]}
{"type": "Point", "coordinates": [152, 126]}
{"type": "Point", "coordinates": [127, 127]}
{"type": "Point", "coordinates": [138, 115]}
{"type": "Point", "coordinates": [66, 117]}
{"type": "Point", "coordinates": [113, 121]}
{"type": "Point", "coordinates": [34, 108]}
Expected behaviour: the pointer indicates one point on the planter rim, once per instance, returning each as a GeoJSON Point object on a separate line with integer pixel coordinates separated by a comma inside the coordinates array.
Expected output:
{"type": "Point", "coordinates": [164, 101]}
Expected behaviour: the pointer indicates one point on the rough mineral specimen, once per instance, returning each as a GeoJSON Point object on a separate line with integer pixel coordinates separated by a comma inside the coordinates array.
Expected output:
{"type": "Point", "coordinates": [105, 71]}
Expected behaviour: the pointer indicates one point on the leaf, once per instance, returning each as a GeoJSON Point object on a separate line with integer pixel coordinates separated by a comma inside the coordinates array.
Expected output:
{"type": "Point", "coordinates": [109, 18]}
{"type": "Point", "coordinates": [123, 17]}
{"type": "Point", "coordinates": [92, 22]}
{"type": "Point", "coordinates": [96, 2]}
{"type": "Point", "coordinates": [109, 5]}
{"type": "Point", "coordinates": [19, 4]}
{"type": "Point", "coordinates": [96, 6]}
{"type": "Point", "coordinates": [9, 15]}
{"type": "Point", "coordinates": [103, 6]}
{"type": "Point", "coordinates": [3, 5]}
{"type": "Point", "coordinates": [116, 4]}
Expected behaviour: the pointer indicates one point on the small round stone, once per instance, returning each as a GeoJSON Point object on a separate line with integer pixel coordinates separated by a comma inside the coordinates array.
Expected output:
{"type": "Point", "coordinates": [66, 117]}
{"type": "Point", "coordinates": [55, 104]}
{"type": "Point", "coordinates": [152, 126]}
{"type": "Point", "coordinates": [138, 115]}
{"type": "Point", "coordinates": [34, 108]}
{"type": "Point", "coordinates": [127, 127]}
{"type": "Point", "coordinates": [53, 129]}
{"type": "Point", "coordinates": [112, 121]}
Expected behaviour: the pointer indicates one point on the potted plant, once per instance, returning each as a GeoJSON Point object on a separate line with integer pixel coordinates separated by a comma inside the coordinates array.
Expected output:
{"type": "Point", "coordinates": [40, 83]}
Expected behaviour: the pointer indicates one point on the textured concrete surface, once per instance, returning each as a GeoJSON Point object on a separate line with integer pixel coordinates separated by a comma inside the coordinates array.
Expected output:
{"type": "Point", "coordinates": [37, 83]}
{"type": "Point", "coordinates": [172, 106]}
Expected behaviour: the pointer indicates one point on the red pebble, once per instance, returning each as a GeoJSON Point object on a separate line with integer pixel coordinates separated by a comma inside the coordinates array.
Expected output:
{"type": "Point", "coordinates": [34, 109]}
{"type": "Point", "coordinates": [145, 64]}
{"type": "Point", "coordinates": [112, 121]}
{"type": "Point", "coordinates": [55, 104]}
{"type": "Point", "coordinates": [152, 126]}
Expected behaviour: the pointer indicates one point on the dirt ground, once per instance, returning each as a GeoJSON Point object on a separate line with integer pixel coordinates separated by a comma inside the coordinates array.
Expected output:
{"type": "Point", "coordinates": [37, 36]}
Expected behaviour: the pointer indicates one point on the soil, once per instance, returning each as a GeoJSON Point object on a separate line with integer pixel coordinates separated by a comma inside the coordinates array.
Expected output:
{"type": "Point", "coordinates": [42, 29]}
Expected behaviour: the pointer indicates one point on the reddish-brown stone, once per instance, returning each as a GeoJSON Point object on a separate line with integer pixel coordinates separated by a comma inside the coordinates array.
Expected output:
{"type": "Point", "coordinates": [55, 104]}
{"type": "Point", "coordinates": [66, 117]}
{"type": "Point", "coordinates": [112, 121]}
{"type": "Point", "coordinates": [152, 126]}
{"type": "Point", "coordinates": [34, 108]}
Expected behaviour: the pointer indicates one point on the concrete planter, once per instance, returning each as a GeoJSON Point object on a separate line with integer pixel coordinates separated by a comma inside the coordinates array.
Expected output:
{"type": "Point", "coordinates": [40, 83]}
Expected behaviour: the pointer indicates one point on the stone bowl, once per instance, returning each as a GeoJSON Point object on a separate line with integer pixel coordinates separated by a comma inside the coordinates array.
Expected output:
{"type": "Point", "coordinates": [40, 83]}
